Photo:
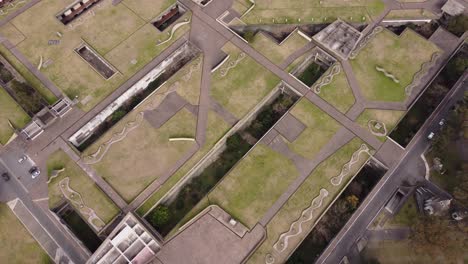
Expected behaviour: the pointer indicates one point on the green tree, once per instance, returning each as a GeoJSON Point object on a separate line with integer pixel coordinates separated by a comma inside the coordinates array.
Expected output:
{"type": "Point", "coordinates": [117, 115]}
{"type": "Point", "coordinates": [160, 216]}
{"type": "Point", "coordinates": [458, 24]}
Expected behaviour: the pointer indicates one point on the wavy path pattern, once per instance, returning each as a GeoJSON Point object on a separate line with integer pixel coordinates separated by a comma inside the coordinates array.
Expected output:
{"type": "Point", "coordinates": [295, 228]}
{"type": "Point", "coordinates": [347, 167]}
{"type": "Point", "coordinates": [424, 68]}
{"type": "Point", "coordinates": [117, 137]}
{"type": "Point", "coordinates": [387, 74]}
{"type": "Point", "coordinates": [77, 200]}
{"type": "Point", "coordinates": [232, 64]}
{"type": "Point", "coordinates": [173, 30]}
{"type": "Point", "coordinates": [327, 79]}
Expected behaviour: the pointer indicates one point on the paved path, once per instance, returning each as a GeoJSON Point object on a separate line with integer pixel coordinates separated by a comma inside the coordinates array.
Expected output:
{"type": "Point", "coordinates": [39, 233]}
{"type": "Point", "coordinates": [43, 225]}
{"type": "Point", "coordinates": [221, 111]}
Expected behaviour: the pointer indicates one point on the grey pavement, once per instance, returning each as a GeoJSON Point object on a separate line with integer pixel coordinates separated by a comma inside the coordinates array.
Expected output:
{"type": "Point", "coordinates": [44, 218]}
{"type": "Point", "coordinates": [221, 111]}
{"type": "Point", "coordinates": [170, 105]}
{"type": "Point", "coordinates": [210, 42]}
{"type": "Point", "coordinates": [290, 127]}
{"type": "Point", "coordinates": [46, 241]}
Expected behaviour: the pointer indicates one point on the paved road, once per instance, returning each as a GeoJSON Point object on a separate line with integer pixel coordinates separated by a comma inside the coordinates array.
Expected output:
{"type": "Point", "coordinates": [410, 169]}
{"type": "Point", "coordinates": [51, 228]}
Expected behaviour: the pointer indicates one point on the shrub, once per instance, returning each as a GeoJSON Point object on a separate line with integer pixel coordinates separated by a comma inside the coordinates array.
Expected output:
{"type": "Point", "coordinates": [160, 216]}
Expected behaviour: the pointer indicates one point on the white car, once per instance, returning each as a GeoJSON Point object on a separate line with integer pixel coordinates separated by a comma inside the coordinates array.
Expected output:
{"type": "Point", "coordinates": [34, 171]}
{"type": "Point", "coordinates": [442, 122]}
{"type": "Point", "coordinates": [431, 135]}
{"type": "Point", "coordinates": [22, 159]}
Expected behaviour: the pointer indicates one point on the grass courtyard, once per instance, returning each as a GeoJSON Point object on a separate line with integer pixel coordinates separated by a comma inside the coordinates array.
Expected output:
{"type": "Point", "coordinates": [146, 160]}
{"type": "Point", "coordinates": [401, 56]}
{"type": "Point", "coordinates": [389, 117]}
{"type": "Point", "coordinates": [149, 159]}
{"type": "Point", "coordinates": [10, 111]}
{"type": "Point", "coordinates": [277, 53]}
{"type": "Point", "coordinates": [216, 128]}
{"type": "Point", "coordinates": [302, 198]}
{"type": "Point", "coordinates": [128, 44]}
{"type": "Point", "coordinates": [16, 244]}
{"type": "Point", "coordinates": [313, 11]}
{"type": "Point", "coordinates": [338, 93]}
{"type": "Point", "coordinates": [80, 182]}
{"type": "Point", "coordinates": [254, 184]}
{"type": "Point", "coordinates": [320, 127]}
{"type": "Point", "coordinates": [244, 85]}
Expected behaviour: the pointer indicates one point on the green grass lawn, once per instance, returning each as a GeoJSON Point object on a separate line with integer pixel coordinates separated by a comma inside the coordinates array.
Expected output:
{"type": "Point", "coordinates": [117, 32]}
{"type": "Point", "coordinates": [320, 128]}
{"type": "Point", "coordinates": [338, 93]}
{"type": "Point", "coordinates": [243, 86]}
{"type": "Point", "coordinates": [216, 128]}
{"type": "Point", "coordinates": [393, 53]}
{"type": "Point", "coordinates": [10, 111]}
{"type": "Point", "coordinates": [254, 184]}
{"type": "Point", "coordinates": [278, 53]}
{"type": "Point", "coordinates": [302, 198]}
{"type": "Point", "coordinates": [149, 159]}
{"type": "Point", "coordinates": [146, 153]}
{"type": "Point", "coordinates": [80, 182]}
{"type": "Point", "coordinates": [407, 214]}
{"type": "Point", "coordinates": [312, 11]}
{"type": "Point", "coordinates": [148, 9]}
{"type": "Point", "coordinates": [241, 6]}
{"type": "Point", "coordinates": [16, 244]}
{"type": "Point", "coordinates": [389, 117]}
